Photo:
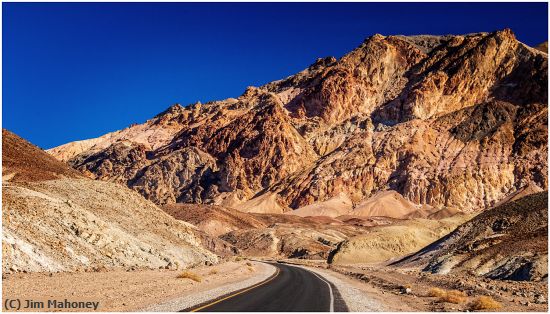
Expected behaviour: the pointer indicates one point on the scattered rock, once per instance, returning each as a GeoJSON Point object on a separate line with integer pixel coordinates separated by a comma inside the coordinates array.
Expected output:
{"type": "Point", "coordinates": [540, 299]}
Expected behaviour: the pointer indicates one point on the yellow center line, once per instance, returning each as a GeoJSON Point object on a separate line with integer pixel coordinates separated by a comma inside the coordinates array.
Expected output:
{"type": "Point", "coordinates": [236, 294]}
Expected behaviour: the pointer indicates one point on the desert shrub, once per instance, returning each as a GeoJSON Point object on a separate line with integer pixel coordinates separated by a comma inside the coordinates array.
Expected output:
{"type": "Point", "coordinates": [454, 296]}
{"type": "Point", "coordinates": [484, 303]}
{"type": "Point", "coordinates": [250, 268]}
{"type": "Point", "coordinates": [213, 272]}
{"type": "Point", "coordinates": [190, 275]}
{"type": "Point", "coordinates": [248, 264]}
{"type": "Point", "coordinates": [238, 258]}
{"type": "Point", "coordinates": [436, 292]}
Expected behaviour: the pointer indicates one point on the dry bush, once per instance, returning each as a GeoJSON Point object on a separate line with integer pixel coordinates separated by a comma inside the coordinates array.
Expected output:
{"type": "Point", "coordinates": [248, 264]}
{"type": "Point", "coordinates": [238, 258]}
{"type": "Point", "coordinates": [485, 303]}
{"type": "Point", "coordinates": [213, 272]}
{"type": "Point", "coordinates": [250, 268]}
{"type": "Point", "coordinates": [454, 296]}
{"type": "Point", "coordinates": [190, 275]}
{"type": "Point", "coordinates": [436, 292]}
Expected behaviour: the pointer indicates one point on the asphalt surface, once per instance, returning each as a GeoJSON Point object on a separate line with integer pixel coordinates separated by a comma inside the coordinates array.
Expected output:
{"type": "Point", "coordinates": [291, 289]}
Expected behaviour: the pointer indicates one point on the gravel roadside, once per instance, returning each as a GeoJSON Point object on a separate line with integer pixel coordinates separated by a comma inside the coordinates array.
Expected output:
{"type": "Point", "coordinates": [263, 270]}
{"type": "Point", "coordinates": [356, 299]}
{"type": "Point", "coordinates": [120, 290]}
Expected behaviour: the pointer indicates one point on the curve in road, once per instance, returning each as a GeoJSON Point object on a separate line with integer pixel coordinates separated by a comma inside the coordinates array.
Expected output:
{"type": "Point", "coordinates": [290, 289]}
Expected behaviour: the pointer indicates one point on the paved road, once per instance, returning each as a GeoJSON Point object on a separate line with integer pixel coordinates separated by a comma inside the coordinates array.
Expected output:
{"type": "Point", "coordinates": [291, 289]}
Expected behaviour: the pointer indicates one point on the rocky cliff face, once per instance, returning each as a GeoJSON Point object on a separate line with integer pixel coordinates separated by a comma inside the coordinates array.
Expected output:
{"type": "Point", "coordinates": [447, 121]}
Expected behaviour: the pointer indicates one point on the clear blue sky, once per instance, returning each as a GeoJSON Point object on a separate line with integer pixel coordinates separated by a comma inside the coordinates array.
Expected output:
{"type": "Point", "coordinates": [78, 70]}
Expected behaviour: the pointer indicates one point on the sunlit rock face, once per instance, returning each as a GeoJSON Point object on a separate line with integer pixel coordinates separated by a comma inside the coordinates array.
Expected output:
{"type": "Point", "coordinates": [447, 121]}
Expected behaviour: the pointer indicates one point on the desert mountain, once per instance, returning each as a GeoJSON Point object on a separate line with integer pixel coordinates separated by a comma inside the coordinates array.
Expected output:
{"type": "Point", "coordinates": [54, 219]}
{"type": "Point", "coordinates": [509, 242]}
{"type": "Point", "coordinates": [454, 122]}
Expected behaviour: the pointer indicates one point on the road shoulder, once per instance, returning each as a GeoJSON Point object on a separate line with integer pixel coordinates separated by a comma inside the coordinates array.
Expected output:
{"type": "Point", "coordinates": [263, 271]}
{"type": "Point", "coordinates": [355, 297]}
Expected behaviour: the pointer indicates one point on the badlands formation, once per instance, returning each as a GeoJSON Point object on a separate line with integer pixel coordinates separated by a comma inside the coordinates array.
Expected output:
{"type": "Point", "coordinates": [410, 154]}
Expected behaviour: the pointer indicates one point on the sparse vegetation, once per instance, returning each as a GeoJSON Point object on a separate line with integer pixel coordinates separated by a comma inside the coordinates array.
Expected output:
{"type": "Point", "coordinates": [190, 275]}
{"type": "Point", "coordinates": [437, 292]}
{"type": "Point", "coordinates": [248, 264]}
{"type": "Point", "coordinates": [213, 272]}
{"type": "Point", "coordinates": [454, 296]}
{"type": "Point", "coordinates": [250, 268]}
{"type": "Point", "coordinates": [485, 303]}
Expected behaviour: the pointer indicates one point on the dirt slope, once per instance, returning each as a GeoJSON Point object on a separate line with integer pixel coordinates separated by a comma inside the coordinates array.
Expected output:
{"type": "Point", "coordinates": [24, 162]}
{"type": "Point", "coordinates": [506, 242]}
{"type": "Point", "coordinates": [333, 207]}
{"type": "Point", "coordinates": [212, 219]}
{"type": "Point", "coordinates": [72, 223]}
{"type": "Point", "coordinates": [386, 204]}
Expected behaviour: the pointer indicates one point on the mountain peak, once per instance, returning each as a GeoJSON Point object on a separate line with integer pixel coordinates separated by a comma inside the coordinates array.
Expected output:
{"type": "Point", "coordinates": [323, 62]}
{"type": "Point", "coordinates": [173, 109]}
{"type": "Point", "coordinates": [542, 47]}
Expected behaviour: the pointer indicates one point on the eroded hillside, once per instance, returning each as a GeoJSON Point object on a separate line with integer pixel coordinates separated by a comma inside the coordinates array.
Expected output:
{"type": "Point", "coordinates": [56, 220]}
{"type": "Point", "coordinates": [507, 242]}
